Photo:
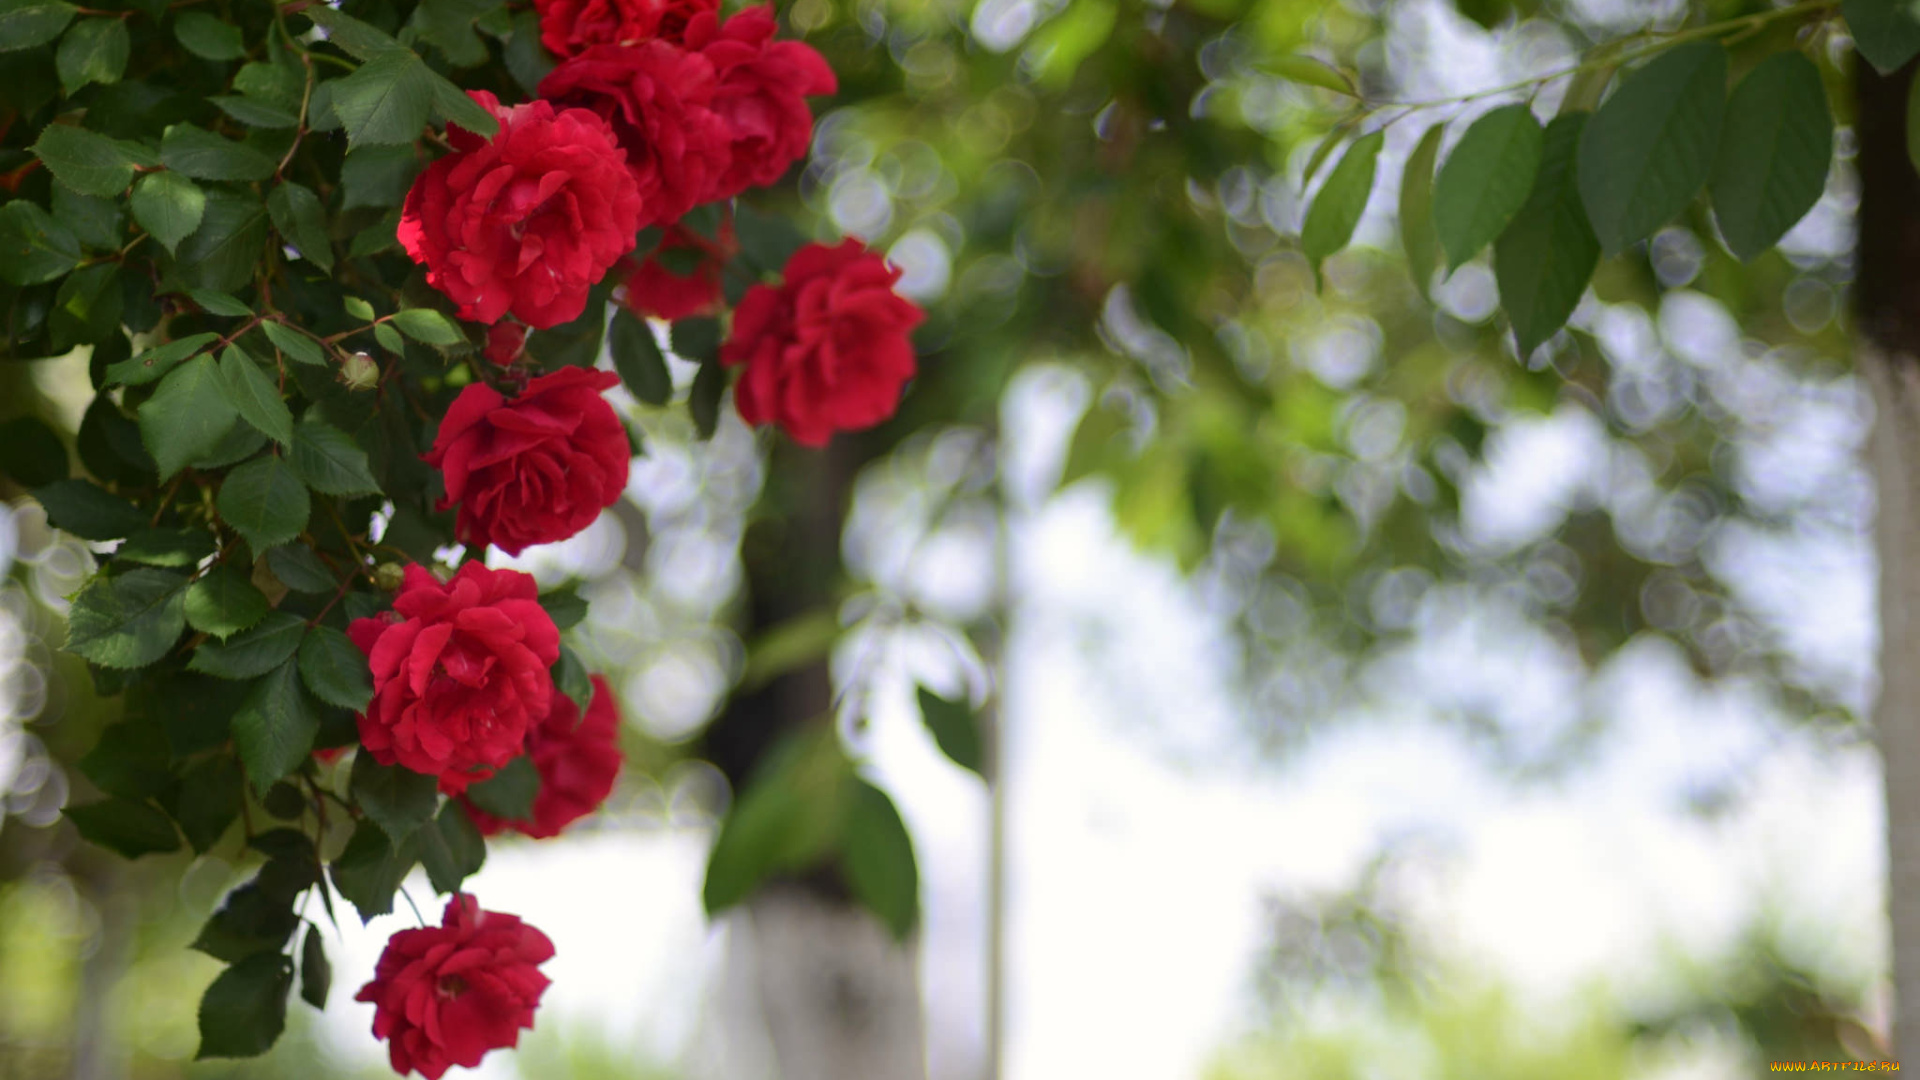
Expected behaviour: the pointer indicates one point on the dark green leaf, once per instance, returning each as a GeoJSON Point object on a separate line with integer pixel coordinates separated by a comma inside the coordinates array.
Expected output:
{"type": "Point", "coordinates": [224, 602]}
{"type": "Point", "coordinates": [215, 302]}
{"type": "Point", "coordinates": [254, 396]}
{"type": "Point", "coordinates": [792, 811]}
{"type": "Point", "coordinates": [85, 161]}
{"type": "Point", "coordinates": [158, 361]}
{"type": "Point", "coordinates": [249, 921]}
{"type": "Point", "coordinates": [1886, 32]}
{"type": "Point", "coordinates": [207, 37]}
{"type": "Point", "coordinates": [255, 113]}
{"type": "Point", "coordinates": [510, 792]}
{"type": "Point", "coordinates": [1547, 255]}
{"type": "Point", "coordinates": [245, 1009]}
{"type": "Point", "coordinates": [1774, 153]}
{"type": "Point", "coordinates": [452, 105]}
{"type": "Point", "coordinates": [187, 415]}
{"type": "Point", "coordinates": [1649, 148]}
{"type": "Point", "coordinates": [379, 176]}
{"type": "Point", "coordinates": [254, 653]}
{"type": "Point", "coordinates": [241, 442]}
{"type": "Point", "coordinates": [1417, 234]}
{"type": "Point", "coordinates": [1341, 201]}
{"type": "Point", "coordinates": [174, 547]}
{"type": "Point", "coordinates": [124, 826]}
{"type": "Point", "coordinates": [131, 760]}
{"type": "Point", "coordinates": [30, 453]}
{"type": "Point", "coordinates": [209, 801]}
{"type": "Point", "coordinates": [397, 798]}
{"type": "Point", "coordinates": [335, 669]}
{"type": "Point", "coordinates": [203, 155]}
{"type": "Point", "coordinates": [387, 101]}
{"type": "Point", "coordinates": [98, 221]}
{"type": "Point", "coordinates": [1485, 181]}
{"type": "Point", "coordinates": [636, 356]}
{"type": "Point", "coordinates": [29, 24]}
{"type": "Point", "coordinates": [527, 60]}
{"type": "Point", "coordinates": [766, 240]}
{"type": "Point", "coordinates": [877, 854]}
{"type": "Point", "coordinates": [452, 850]}
{"type": "Point", "coordinates": [265, 501]}
{"type": "Point", "coordinates": [329, 461]}
{"type": "Point", "coordinates": [284, 801]}
{"type": "Point", "coordinates": [274, 729]}
{"type": "Point", "coordinates": [293, 865]}
{"type": "Point", "coordinates": [697, 339]}
{"type": "Point", "coordinates": [299, 569]}
{"type": "Point", "coordinates": [316, 975]}
{"type": "Point", "coordinates": [299, 347]}
{"type": "Point", "coordinates": [363, 41]}
{"type": "Point", "coordinates": [88, 512]}
{"type": "Point", "coordinates": [369, 870]}
{"type": "Point", "coordinates": [93, 51]}
{"type": "Point", "coordinates": [564, 607]}
{"type": "Point", "coordinates": [709, 385]}
{"type": "Point", "coordinates": [127, 621]}
{"type": "Point", "coordinates": [34, 248]}
{"type": "Point", "coordinates": [169, 206]}
{"type": "Point", "coordinates": [302, 222]}
{"type": "Point", "coordinates": [954, 728]}
{"type": "Point", "coordinates": [224, 252]}
{"type": "Point", "coordinates": [428, 327]}
{"type": "Point", "coordinates": [570, 677]}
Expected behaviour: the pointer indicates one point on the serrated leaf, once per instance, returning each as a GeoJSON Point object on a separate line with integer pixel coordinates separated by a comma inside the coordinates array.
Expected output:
{"type": "Point", "coordinates": [302, 222]}
{"type": "Point", "coordinates": [253, 653]}
{"type": "Point", "coordinates": [99, 222]}
{"type": "Point", "coordinates": [329, 461]}
{"type": "Point", "coordinates": [203, 155]}
{"type": "Point", "coordinates": [1548, 253]}
{"type": "Point", "coordinates": [34, 248]}
{"type": "Point", "coordinates": [254, 396]}
{"type": "Point", "coordinates": [357, 308]}
{"type": "Point", "coordinates": [29, 24]}
{"type": "Point", "coordinates": [1417, 235]}
{"type": "Point", "coordinates": [336, 670]}
{"type": "Point", "coordinates": [224, 602]}
{"type": "Point", "coordinates": [316, 975]}
{"type": "Point", "coordinates": [299, 348]}
{"type": "Point", "coordinates": [955, 729]}
{"type": "Point", "coordinates": [207, 37]}
{"type": "Point", "coordinates": [451, 849]}
{"type": "Point", "coordinates": [274, 729]}
{"type": "Point", "coordinates": [1341, 201]}
{"type": "Point", "coordinates": [398, 799]}
{"type": "Point", "coordinates": [224, 252]}
{"type": "Point", "coordinates": [157, 361]}
{"type": "Point", "coordinates": [877, 855]}
{"type": "Point", "coordinates": [1775, 152]}
{"type": "Point", "coordinates": [453, 106]}
{"type": "Point", "coordinates": [358, 38]}
{"type": "Point", "coordinates": [215, 302]}
{"type": "Point", "coordinates": [1649, 148]}
{"type": "Point", "coordinates": [31, 453]}
{"type": "Point", "coordinates": [255, 113]}
{"type": "Point", "coordinates": [509, 793]}
{"type": "Point", "coordinates": [169, 206]}
{"type": "Point", "coordinates": [389, 339]}
{"type": "Point", "coordinates": [129, 620]}
{"type": "Point", "coordinates": [126, 827]}
{"type": "Point", "coordinates": [1485, 181]}
{"type": "Point", "coordinates": [265, 501]}
{"type": "Point", "coordinates": [187, 415]}
{"type": "Point", "coordinates": [87, 162]}
{"type": "Point", "coordinates": [1887, 32]}
{"type": "Point", "coordinates": [637, 357]}
{"type": "Point", "coordinates": [369, 871]}
{"type": "Point", "coordinates": [379, 176]}
{"type": "Point", "coordinates": [211, 792]}
{"type": "Point", "coordinates": [249, 921]}
{"type": "Point", "coordinates": [564, 607]}
{"type": "Point", "coordinates": [130, 760]}
{"type": "Point", "coordinates": [299, 569]}
{"type": "Point", "coordinates": [88, 511]}
{"type": "Point", "coordinates": [386, 101]}
{"type": "Point", "coordinates": [92, 51]}
{"type": "Point", "coordinates": [428, 327]}
{"type": "Point", "coordinates": [244, 1011]}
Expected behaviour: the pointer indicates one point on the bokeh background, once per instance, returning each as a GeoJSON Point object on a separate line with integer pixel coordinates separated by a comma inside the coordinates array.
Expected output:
{"type": "Point", "coordinates": [1372, 702]}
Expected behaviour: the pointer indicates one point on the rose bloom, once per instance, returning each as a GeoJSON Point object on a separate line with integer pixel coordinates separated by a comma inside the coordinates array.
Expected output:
{"type": "Point", "coordinates": [653, 288]}
{"type": "Point", "coordinates": [505, 342]}
{"type": "Point", "coordinates": [577, 758]}
{"type": "Point", "coordinates": [536, 469]}
{"type": "Point", "coordinates": [460, 672]}
{"type": "Point", "coordinates": [656, 97]}
{"type": "Point", "coordinates": [571, 26]}
{"type": "Point", "coordinates": [445, 995]}
{"type": "Point", "coordinates": [826, 351]}
{"type": "Point", "coordinates": [527, 221]}
{"type": "Point", "coordinates": [761, 94]}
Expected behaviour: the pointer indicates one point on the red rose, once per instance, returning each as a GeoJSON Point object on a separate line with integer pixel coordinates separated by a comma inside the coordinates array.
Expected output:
{"type": "Point", "coordinates": [657, 289]}
{"type": "Point", "coordinates": [505, 342]}
{"type": "Point", "coordinates": [826, 351]}
{"type": "Point", "coordinates": [762, 92]}
{"type": "Point", "coordinates": [460, 672]}
{"type": "Point", "coordinates": [445, 995]}
{"type": "Point", "coordinates": [536, 469]}
{"type": "Point", "coordinates": [655, 97]}
{"type": "Point", "coordinates": [577, 759]}
{"type": "Point", "coordinates": [526, 221]}
{"type": "Point", "coordinates": [571, 26]}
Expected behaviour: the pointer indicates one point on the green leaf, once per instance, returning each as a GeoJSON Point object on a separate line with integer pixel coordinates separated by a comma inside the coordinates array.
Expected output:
{"type": "Point", "coordinates": [379, 176]}
{"type": "Point", "coordinates": [696, 339]}
{"type": "Point", "coordinates": [428, 327]}
{"type": "Point", "coordinates": [302, 222]}
{"type": "Point", "coordinates": [34, 248]}
{"type": "Point", "coordinates": [357, 308]}
{"type": "Point", "coordinates": [224, 602]}
{"type": "Point", "coordinates": [89, 512]}
{"type": "Point", "coordinates": [203, 155]}
{"type": "Point", "coordinates": [316, 975]}
{"type": "Point", "coordinates": [636, 356]}
{"type": "Point", "coordinates": [335, 669]}
{"type": "Point", "coordinates": [397, 798]}
{"type": "Point", "coordinates": [1312, 71]}
{"type": "Point", "coordinates": [791, 813]}
{"type": "Point", "coordinates": [329, 461]}
{"type": "Point", "coordinates": [386, 101]}
{"type": "Point", "coordinates": [358, 38]}
{"type": "Point", "coordinates": [255, 113]}
{"type": "Point", "coordinates": [93, 51]}
{"type": "Point", "coordinates": [245, 1009]}
{"type": "Point", "coordinates": [570, 677]}
{"type": "Point", "coordinates": [187, 415]}
{"type": "Point", "coordinates": [1774, 153]}
{"type": "Point", "coordinates": [274, 729]}
{"type": "Point", "coordinates": [266, 501]}
{"type": "Point", "coordinates": [703, 401]}
{"type": "Point", "coordinates": [299, 569]}
{"type": "Point", "coordinates": [254, 396]}
{"type": "Point", "coordinates": [214, 302]}
{"type": "Point", "coordinates": [564, 607]}
{"type": "Point", "coordinates": [1485, 181]}
{"type": "Point", "coordinates": [389, 339]}
{"type": "Point", "coordinates": [85, 161]}
{"type": "Point", "coordinates": [766, 240]}
{"type": "Point", "coordinates": [131, 760]}
{"type": "Point", "coordinates": [158, 361]}
{"type": "Point", "coordinates": [1417, 234]}
{"type": "Point", "coordinates": [31, 453]}
{"type": "Point", "coordinates": [877, 854]}
{"type": "Point", "coordinates": [509, 793]}
{"type": "Point", "coordinates": [284, 801]}
{"type": "Point", "coordinates": [252, 654]}
{"type": "Point", "coordinates": [127, 621]}
{"type": "Point", "coordinates": [126, 827]}
{"type": "Point", "coordinates": [1649, 148]}
{"type": "Point", "coordinates": [452, 850]}
{"type": "Point", "coordinates": [98, 221]}
{"type": "Point", "coordinates": [211, 792]}
{"type": "Point", "coordinates": [1341, 201]}
{"type": "Point", "coordinates": [169, 206]}
{"type": "Point", "coordinates": [29, 24]}
{"type": "Point", "coordinates": [249, 921]}
{"type": "Point", "coordinates": [452, 105]}
{"type": "Point", "coordinates": [207, 37]}
{"type": "Point", "coordinates": [526, 59]}
{"type": "Point", "coordinates": [224, 252]}
{"type": "Point", "coordinates": [954, 728]}
{"type": "Point", "coordinates": [370, 870]}
{"type": "Point", "coordinates": [182, 547]}
{"type": "Point", "coordinates": [299, 347]}
{"type": "Point", "coordinates": [1886, 32]}
{"type": "Point", "coordinates": [1548, 253]}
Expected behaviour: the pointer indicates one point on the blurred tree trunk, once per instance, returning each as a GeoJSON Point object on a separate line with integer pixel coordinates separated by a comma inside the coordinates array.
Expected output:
{"type": "Point", "coordinates": [1887, 297]}
{"type": "Point", "coordinates": [815, 988]}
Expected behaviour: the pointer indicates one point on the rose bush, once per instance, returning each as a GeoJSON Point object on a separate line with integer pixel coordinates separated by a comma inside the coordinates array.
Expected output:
{"type": "Point", "coordinates": [577, 758]}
